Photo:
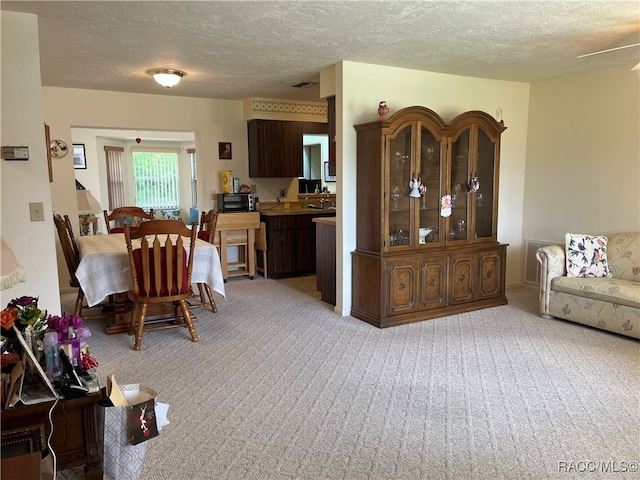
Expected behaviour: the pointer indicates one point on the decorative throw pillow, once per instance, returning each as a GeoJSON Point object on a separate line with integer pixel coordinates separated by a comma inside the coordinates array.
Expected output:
{"type": "Point", "coordinates": [172, 214]}
{"type": "Point", "coordinates": [586, 256]}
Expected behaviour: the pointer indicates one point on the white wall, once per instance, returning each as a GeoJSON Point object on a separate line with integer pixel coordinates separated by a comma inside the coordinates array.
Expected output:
{"type": "Point", "coordinates": [583, 156]}
{"type": "Point", "coordinates": [360, 87]}
{"type": "Point", "coordinates": [211, 120]}
{"type": "Point", "coordinates": [23, 182]}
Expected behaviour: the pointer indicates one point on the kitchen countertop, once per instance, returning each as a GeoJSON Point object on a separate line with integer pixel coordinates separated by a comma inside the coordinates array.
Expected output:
{"type": "Point", "coordinates": [294, 208]}
{"type": "Point", "coordinates": [325, 220]}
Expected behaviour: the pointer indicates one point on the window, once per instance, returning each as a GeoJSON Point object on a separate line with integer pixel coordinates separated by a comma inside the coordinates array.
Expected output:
{"type": "Point", "coordinates": [155, 179]}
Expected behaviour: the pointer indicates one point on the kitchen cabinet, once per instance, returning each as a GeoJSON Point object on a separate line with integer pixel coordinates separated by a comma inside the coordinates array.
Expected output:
{"type": "Point", "coordinates": [326, 258]}
{"type": "Point", "coordinates": [415, 260]}
{"type": "Point", "coordinates": [275, 146]}
{"type": "Point", "coordinates": [291, 243]}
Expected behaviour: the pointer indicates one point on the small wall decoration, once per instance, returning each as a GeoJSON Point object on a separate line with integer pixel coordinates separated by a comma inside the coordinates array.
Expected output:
{"type": "Point", "coordinates": [327, 177]}
{"type": "Point", "coordinates": [224, 150]}
{"type": "Point", "coordinates": [58, 148]}
{"type": "Point", "coordinates": [79, 158]}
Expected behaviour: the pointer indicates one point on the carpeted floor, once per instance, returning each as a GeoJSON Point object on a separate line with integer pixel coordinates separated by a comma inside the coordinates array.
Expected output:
{"type": "Point", "coordinates": [280, 387]}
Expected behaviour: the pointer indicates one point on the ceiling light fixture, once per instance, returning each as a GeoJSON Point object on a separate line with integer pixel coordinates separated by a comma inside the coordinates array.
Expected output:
{"type": "Point", "coordinates": [167, 77]}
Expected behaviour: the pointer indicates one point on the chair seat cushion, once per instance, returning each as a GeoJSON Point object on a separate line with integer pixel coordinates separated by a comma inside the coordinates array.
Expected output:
{"type": "Point", "coordinates": [203, 235]}
{"type": "Point", "coordinates": [121, 229]}
{"type": "Point", "coordinates": [163, 289]}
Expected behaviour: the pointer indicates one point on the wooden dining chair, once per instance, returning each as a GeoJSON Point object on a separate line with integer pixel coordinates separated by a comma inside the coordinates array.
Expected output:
{"type": "Point", "coordinates": [72, 237]}
{"type": "Point", "coordinates": [133, 216]}
{"type": "Point", "coordinates": [207, 232]}
{"type": "Point", "coordinates": [71, 255]}
{"type": "Point", "coordinates": [161, 272]}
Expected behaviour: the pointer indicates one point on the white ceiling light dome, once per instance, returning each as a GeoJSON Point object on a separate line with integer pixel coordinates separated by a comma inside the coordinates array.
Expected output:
{"type": "Point", "coordinates": [167, 77]}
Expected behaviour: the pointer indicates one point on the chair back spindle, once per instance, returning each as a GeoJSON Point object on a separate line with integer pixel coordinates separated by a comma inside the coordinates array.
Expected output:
{"type": "Point", "coordinates": [207, 232]}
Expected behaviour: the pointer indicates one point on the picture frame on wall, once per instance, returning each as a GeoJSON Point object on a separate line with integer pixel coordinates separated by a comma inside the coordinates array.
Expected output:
{"type": "Point", "coordinates": [224, 150]}
{"type": "Point", "coordinates": [327, 177]}
{"type": "Point", "coordinates": [79, 157]}
{"type": "Point", "coordinates": [47, 137]}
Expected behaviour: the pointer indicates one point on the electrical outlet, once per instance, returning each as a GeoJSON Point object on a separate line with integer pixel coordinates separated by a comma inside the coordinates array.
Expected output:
{"type": "Point", "coordinates": [283, 192]}
{"type": "Point", "coordinates": [36, 211]}
{"type": "Point", "coordinates": [254, 188]}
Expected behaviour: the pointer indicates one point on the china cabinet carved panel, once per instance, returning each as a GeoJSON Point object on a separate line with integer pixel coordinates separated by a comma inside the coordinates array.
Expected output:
{"type": "Point", "coordinates": [427, 217]}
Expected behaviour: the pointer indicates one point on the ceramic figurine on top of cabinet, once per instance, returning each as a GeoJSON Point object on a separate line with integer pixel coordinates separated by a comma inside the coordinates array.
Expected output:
{"type": "Point", "coordinates": [382, 110]}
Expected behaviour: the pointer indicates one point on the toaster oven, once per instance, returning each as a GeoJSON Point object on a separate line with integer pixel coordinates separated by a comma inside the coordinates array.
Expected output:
{"type": "Point", "coordinates": [235, 202]}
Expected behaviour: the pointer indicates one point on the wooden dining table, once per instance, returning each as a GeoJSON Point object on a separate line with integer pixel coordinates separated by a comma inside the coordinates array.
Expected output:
{"type": "Point", "coordinates": [104, 271]}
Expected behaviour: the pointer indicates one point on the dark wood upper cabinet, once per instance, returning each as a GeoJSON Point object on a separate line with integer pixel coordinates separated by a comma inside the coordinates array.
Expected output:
{"type": "Point", "coordinates": [275, 146]}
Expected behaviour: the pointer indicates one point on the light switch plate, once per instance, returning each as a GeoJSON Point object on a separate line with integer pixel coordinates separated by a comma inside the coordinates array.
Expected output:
{"type": "Point", "coordinates": [36, 211]}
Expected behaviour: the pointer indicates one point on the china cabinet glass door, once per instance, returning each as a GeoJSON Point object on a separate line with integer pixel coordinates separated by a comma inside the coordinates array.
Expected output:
{"type": "Point", "coordinates": [485, 169]}
{"type": "Point", "coordinates": [399, 233]}
{"type": "Point", "coordinates": [459, 181]}
{"type": "Point", "coordinates": [430, 175]}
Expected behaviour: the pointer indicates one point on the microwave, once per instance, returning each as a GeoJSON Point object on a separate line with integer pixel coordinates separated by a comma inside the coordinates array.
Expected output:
{"type": "Point", "coordinates": [235, 202]}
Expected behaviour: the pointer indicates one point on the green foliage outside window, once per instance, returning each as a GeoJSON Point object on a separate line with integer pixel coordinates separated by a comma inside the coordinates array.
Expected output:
{"type": "Point", "coordinates": [155, 176]}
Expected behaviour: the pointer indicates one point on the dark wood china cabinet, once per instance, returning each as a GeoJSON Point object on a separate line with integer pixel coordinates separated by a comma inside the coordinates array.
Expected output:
{"type": "Point", "coordinates": [416, 259]}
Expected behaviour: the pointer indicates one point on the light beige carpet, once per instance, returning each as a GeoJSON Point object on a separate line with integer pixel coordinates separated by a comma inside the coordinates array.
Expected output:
{"type": "Point", "coordinates": [280, 387]}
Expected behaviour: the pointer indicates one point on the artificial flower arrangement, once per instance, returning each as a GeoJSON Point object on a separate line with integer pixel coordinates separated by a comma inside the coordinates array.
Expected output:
{"type": "Point", "coordinates": [24, 315]}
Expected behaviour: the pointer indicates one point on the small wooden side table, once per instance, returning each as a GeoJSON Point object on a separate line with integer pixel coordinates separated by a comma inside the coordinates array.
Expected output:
{"type": "Point", "coordinates": [75, 431]}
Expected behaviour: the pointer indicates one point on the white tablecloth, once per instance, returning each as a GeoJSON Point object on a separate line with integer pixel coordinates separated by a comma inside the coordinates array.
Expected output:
{"type": "Point", "coordinates": [104, 266]}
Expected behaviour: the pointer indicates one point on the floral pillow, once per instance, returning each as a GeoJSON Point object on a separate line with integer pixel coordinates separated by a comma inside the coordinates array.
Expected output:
{"type": "Point", "coordinates": [171, 214]}
{"type": "Point", "coordinates": [586, 256]}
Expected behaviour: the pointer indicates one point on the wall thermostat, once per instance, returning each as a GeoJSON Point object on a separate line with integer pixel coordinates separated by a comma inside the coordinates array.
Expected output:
{"type": "Point", "coordinates": [15, 153]}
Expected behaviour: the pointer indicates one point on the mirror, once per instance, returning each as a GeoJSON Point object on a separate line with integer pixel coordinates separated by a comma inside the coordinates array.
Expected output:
{"type": "Point", "coordinates": [315, 153]}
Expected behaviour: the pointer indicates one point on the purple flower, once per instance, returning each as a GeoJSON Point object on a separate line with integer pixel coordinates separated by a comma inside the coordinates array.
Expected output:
{"type": "Point", "coordinates": [83, 333]}
{"type": "Point", "coordinates": [24, 302]}
{"type": "Point", "coordinates": [74, 321]}
{"type": "Point", "coordinates": [61, 325]}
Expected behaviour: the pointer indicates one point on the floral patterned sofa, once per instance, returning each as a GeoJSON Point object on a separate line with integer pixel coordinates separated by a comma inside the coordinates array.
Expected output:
{"type": "Point", "coordinates": [607, 302]}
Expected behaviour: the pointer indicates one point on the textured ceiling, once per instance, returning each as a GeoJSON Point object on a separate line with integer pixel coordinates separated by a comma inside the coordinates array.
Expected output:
{"type": "Point", "coordinates": [235, 50]}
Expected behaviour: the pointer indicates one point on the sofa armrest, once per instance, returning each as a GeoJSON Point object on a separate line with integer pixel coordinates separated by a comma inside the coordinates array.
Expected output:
{"type": "Point", "coordinates": [552, 264]}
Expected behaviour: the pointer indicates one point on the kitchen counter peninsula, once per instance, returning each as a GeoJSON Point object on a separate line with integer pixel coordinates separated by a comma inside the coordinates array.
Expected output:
{"type": "Point", "coordinates": [291, 238]}
{"type": "Point", "coordinates": [326, 258]}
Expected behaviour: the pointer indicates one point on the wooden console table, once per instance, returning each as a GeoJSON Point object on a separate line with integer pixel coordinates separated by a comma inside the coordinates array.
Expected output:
{"type": "Point", "coordinates": [75, 431]}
